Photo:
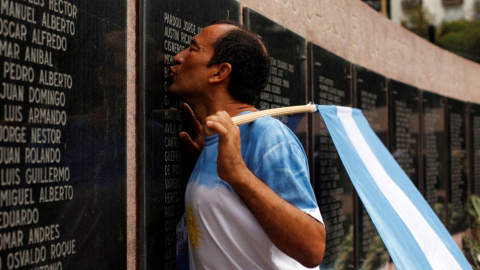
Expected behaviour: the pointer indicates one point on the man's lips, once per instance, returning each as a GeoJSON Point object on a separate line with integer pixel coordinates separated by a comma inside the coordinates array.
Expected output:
{"type": "Point", "coordinates": [172, 73]}
{"type": "Point", "coordinates": [171, 76]}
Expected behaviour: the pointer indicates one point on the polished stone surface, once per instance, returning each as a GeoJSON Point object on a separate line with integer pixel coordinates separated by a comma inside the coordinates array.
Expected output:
{"type": "Point", "coordinates": [331, 84]}
{"type": "Point", "coordinates": [457, 171]}
{"type": "Point", "coordinates": [404, 128]}
{"type": "Point", "coordinates": [62, 170]}
{"type": "Point", "coordinates": [169, 27]}
{"type": "Point", "coordinates": [287, 83]}
{"type": "Point", "coordinates": [474, 149]}
{"type": "Point", "coordinates": [370, 91]}
{"type": "Point", "coordinates": [433, 141]}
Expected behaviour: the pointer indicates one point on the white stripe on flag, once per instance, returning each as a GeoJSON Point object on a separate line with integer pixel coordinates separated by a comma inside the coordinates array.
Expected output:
{"type": "Point", "coordinates": [433, 247]}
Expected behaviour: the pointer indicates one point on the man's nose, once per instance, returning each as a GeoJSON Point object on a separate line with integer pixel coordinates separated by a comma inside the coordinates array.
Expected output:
{"type": "Point", "coordinates": [179, 57]}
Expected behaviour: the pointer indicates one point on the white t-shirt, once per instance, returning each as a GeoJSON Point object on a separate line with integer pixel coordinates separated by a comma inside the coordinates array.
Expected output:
{"type": "Point", "coordinates": [222, 232]}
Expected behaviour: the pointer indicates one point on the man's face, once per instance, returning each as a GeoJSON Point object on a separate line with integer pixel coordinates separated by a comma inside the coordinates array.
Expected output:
{"type": "Point", "coordinates": [190, 73]}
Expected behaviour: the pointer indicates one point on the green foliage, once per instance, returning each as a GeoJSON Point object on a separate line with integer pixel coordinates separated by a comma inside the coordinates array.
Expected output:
{"type": "Point", "coordinates": [462, 38]}
{"type": "Point", "coordinates": [459, 37]}
{"type": "Point", "coordinates": [377, 255]}
{"type": "Point", "coordinates": [418, 20]}
{"type": "Point", "coordinates": [345, 259]}
{"type": "Point", "coordinates": [471, 242]}
{"type": "Point", "coordinates": [473, 248]}
{"type": "Point", "coordinates": [451, 27]}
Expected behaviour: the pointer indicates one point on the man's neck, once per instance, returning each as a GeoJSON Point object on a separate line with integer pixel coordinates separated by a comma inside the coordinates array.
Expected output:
{"type": "Point", "coordinates": [232, 108]}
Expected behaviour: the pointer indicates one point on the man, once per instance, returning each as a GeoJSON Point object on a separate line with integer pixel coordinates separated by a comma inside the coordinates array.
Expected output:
{"type": "Point", "coordinates": [249, 202]}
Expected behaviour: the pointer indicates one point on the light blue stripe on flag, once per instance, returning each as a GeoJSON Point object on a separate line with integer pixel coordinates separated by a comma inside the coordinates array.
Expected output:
{"type": "Point", "coordinates": [413, 234]}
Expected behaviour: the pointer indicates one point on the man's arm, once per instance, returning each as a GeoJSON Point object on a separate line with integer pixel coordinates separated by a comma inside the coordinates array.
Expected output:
{"type": "Point", "coordinates": [292, 231]}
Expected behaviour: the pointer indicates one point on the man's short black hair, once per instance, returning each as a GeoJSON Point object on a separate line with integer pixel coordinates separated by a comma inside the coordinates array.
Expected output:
{"type": "Point", "coordinates": [249, 59]}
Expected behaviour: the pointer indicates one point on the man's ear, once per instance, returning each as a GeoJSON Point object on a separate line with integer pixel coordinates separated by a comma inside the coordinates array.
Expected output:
{"type": "Point", "coordinates": [222, 72]}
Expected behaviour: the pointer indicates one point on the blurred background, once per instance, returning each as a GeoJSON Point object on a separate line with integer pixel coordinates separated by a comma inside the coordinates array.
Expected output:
{"type": "Point", "coordinates": [453, 25]}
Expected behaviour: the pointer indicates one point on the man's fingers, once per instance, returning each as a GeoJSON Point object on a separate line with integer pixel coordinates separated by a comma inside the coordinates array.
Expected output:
{"type": "Point", "coordinates": [217, 127]}
{"type": "Point", "coordinates": [197, 126]}
{"type": "Point", "coordinates": [220, 122]}
{"type": "Point", "coordinates": [187, 140]}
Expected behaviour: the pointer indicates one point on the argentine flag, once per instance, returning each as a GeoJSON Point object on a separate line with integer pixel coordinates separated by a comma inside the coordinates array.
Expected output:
{"type": "Point", "coordinates": [413, 234]}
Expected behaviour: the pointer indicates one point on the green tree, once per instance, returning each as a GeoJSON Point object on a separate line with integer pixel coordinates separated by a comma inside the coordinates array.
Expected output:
{"type": "Point", "coordinates": [462, 38]}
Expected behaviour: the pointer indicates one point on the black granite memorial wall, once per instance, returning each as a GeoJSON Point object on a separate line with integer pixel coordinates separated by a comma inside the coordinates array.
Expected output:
{"type": "Point", "coordinates": [287, 83]}
{"type": "Point", "coordinates": [169, 27]}
{"type": "Point", "coordinates": [474, 149]}
{"type": "Point", "coordinates": [62, 149]}
{"type": "Point", "coordinates": [433, 161]}
{"type": "Point", "coordinates": [404, 128]}
{"type": "Point", "coordinates": [331, 85]}
{"type": "Point", "coordinates": [370, 92]}
{"type": "Point", "coordinates": [457, 175]}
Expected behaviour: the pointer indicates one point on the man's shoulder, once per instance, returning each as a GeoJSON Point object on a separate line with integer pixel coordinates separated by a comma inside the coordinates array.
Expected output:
{"type": "Point", "coordinates": [270, 128]}
{"type": "Point", "coordinates": [268, 132]}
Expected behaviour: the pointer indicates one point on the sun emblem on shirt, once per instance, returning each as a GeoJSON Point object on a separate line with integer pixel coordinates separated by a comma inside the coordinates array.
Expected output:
{"type": "Point", "coordinates": [193, 231]}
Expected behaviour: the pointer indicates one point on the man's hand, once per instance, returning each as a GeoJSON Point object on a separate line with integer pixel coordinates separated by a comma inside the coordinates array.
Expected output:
{"type": "Point", "coordinates": [230, 161]}
{"type": "Point", "coordinates": [194, 146]}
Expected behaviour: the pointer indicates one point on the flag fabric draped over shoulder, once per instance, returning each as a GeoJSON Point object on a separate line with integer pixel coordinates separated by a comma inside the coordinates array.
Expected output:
{"type": "Point", "coordinates": [412, 232]}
